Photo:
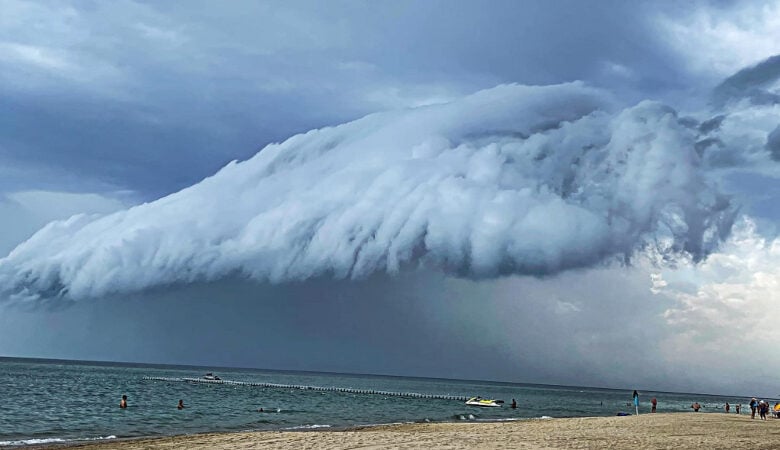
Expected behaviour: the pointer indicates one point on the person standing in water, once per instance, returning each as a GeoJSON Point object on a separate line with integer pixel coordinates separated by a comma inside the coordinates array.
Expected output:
{"type": "Point", "coordinates": [181, 404]}
{"type": "Point", "coordinates": [654, 403]}
{"type": "Point", "coordinates": [123, 402]}
{"type": "Point", "coordinates": [514, 404]}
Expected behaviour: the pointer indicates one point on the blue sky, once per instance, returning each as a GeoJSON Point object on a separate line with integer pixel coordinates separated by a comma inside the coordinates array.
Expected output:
{"type": "Point", "coordinates": [104, 107]}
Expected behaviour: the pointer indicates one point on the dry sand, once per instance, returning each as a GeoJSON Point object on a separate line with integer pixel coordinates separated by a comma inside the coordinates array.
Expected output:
{"type": "Point", "coordinates": [647, 431]}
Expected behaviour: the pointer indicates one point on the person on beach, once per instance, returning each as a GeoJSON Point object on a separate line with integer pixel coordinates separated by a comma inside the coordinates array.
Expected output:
{"type": "Point", "coordinates": [123, 402]}
{"type": "Point", "coordinates": [763, 407]}
{"type": "Point", "coordinates": [738, 407]}
{"type": "Point", "coordinates": [727, 407]}
{"type": "Point", "coordinates": [753, 404]}
{"type": "Point", "coordinates": [181, 404]}
{"type": "Point", "coordinates": [653, 403]}
{"type": "Point", "coordinates": [696, 406]}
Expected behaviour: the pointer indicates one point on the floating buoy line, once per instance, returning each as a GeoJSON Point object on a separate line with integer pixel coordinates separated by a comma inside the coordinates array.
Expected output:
{"type": "Point", "coordinates": [308, 388]}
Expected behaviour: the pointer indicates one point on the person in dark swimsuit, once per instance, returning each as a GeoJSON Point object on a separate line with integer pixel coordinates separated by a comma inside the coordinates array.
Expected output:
{"type": "Point", "coordinates": [123, 402]}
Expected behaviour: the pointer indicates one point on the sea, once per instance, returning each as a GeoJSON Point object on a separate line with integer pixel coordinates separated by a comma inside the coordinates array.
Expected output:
{"type": "Point", "coordinates": [54, 401]}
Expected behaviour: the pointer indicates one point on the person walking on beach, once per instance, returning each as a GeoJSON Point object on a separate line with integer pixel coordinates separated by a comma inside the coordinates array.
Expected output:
{"type": "Point", "coordinates": [654, 403]}
{"type": "Point", "coordinates": [727, 407]}
{"type": "Point", "coordinates": [696, 406]}
{"type": "Point", "coordinates": [738, 407]}
{"type": "Point", "coordinates": [180, 405]}
{"type": "Point", "coordinates": [753, 404]}
{"type": "Point", "coordinates": [123, 402]}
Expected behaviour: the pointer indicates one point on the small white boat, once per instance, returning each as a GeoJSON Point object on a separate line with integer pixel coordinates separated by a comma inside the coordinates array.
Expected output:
{"type": "Point", "coordinates": [210, 376]}
{"type": "Point", "coordinates": [479, 401]}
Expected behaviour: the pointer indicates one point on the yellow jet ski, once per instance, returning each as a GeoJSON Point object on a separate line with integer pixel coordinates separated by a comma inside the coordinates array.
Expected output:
{"type": "Point", "coordinates": [479, 401]}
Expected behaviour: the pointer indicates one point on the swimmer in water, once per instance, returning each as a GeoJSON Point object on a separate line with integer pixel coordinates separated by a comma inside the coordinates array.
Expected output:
{"type": "Point", "coordinates": [123, 402]}
{"type": "Point", "coordinates": [180, 405]}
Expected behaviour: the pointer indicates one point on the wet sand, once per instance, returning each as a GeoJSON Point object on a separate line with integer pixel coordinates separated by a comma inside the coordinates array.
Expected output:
{"type": "Point", "coordinates": [647, 431]}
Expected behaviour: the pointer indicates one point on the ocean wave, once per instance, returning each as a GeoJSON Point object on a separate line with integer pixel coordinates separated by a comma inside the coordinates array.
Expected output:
{"type": "Point", "coordinates": [41, 441]}
{"type": "Point", "coordinates": [33, 441]}
{"type": "Point", "coordinates": [308, 427]}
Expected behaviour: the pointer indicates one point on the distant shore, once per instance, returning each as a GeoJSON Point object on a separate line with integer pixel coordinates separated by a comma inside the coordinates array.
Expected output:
{"type": "Point", "coordinates": [646, 431]}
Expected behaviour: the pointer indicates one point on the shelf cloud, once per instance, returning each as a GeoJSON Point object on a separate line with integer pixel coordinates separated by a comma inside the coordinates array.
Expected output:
{"type": "Point", "coordinates": [511, 180]}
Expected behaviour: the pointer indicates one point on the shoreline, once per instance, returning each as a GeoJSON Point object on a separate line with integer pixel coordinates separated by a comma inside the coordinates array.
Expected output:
{"type": "Point", "coordinates": [646, 431]}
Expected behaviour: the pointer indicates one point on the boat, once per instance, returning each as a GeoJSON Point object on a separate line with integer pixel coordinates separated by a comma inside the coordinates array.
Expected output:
{"type": "Point", "coordinates": [210, 376]}
{"type": "Point", "coordinates": [479, 401]}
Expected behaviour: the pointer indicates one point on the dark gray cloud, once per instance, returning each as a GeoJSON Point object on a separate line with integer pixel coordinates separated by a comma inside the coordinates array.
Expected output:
{"type": "Point", "coordinates": [751, 83]}
{"type": "Point", "coordinates": [407, 324]}
{"type": "Point", "coordinates": [744, 132]}
{"type": "Point", "coordinates": [153, 97]}
{"type": "Point", "coordinates": [516, 329]}
{"type": "Point", "coordinates": [773, 143]}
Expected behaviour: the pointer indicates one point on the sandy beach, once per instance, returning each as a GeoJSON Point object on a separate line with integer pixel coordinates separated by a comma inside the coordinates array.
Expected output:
{"type": "Point", "coordinates": [648, 431]}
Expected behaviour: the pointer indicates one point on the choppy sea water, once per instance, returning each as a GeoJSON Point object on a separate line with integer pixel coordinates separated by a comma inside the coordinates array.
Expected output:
{"type": "Point", "coordinates": [44, 401]}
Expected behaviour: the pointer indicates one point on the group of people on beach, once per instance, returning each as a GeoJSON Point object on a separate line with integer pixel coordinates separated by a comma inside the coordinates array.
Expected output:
{"type": "Point", "coordinates": [756, 406]}
{"type": "Point", "coordinates": [763, 409]}
{"type": "Point", "coordinates": [727, 407]}
{"type": "Point", "coordinates": [123, 403]}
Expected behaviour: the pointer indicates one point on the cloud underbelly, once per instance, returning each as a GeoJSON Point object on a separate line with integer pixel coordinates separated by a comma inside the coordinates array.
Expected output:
{"type": "Point", "coordinates": [514, 179]}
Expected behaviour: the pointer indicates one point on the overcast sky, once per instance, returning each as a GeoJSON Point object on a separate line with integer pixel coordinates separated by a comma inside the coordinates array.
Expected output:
{"type": "Point", "coordinates": [556, 192]}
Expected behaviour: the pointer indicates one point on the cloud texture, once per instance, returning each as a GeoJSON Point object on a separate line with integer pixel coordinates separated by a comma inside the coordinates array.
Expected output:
{"type": "Point", "coordinates": [514, 179]}
{"type": "Point", "coordinates": [725, 311]}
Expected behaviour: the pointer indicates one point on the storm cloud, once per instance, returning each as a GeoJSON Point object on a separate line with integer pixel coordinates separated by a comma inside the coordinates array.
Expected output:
{"type": "Point", "coordinates": [510, 180]}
